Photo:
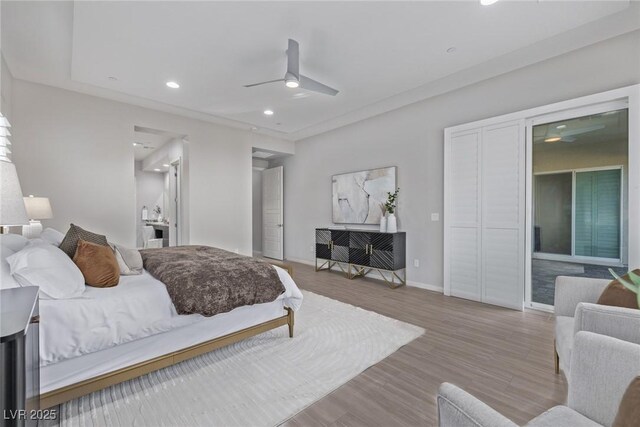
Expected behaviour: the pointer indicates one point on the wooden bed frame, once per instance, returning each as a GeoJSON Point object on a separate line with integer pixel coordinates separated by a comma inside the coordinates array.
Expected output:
{"type": "Point", "coordinates": [72, 391]}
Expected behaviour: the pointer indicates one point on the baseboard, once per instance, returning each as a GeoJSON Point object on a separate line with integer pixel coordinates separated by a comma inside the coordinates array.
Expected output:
{"type": "Point", "coordinates": [257, 254]}
{"type": "Point", "coordinates": [376, 275]}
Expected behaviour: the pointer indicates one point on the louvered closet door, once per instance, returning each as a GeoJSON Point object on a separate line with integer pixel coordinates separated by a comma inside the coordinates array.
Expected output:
{"type": "Point", "coordinates": [503, 214]}
{"type": "Point", "coordinates": [462, 218]}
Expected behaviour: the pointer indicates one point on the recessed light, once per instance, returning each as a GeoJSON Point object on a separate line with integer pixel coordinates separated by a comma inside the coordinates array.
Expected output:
{"type": "Point", "coordinates": [173, 85]}
{"type": "Point", "coordinates": [487, 2]}
{"type": "Point", "coordinates": [553, 139]}
{"type": "Point", "coordinates": [135, 144]}
{"type": "Point", "coordinates": [452, 49]}
{"type": "Point", "coordinates": [561, 126]}
{"type": "Point", "coordinates": [268, 112]}
{"type": "Point", "coordinates": [113, 78]}
{"type": "Point", "coordinates": [165, 165]}
{"type": "Point", "coordinates": [157, 170]}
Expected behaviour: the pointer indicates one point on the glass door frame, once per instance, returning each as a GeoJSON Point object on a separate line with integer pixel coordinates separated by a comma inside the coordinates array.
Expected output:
{"type": "Point", "coordinates": [551, 117]}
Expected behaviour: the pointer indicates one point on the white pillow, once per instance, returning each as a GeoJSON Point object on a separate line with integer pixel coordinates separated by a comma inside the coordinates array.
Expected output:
{"type": "Point", "coordinates": [6, 279]}
{"type": "Point", "coordinates": [52, 236]}
{"type": "Point", "coordinates": [48, 268]}
{"type": "Point", "coordinates": [15, 242]}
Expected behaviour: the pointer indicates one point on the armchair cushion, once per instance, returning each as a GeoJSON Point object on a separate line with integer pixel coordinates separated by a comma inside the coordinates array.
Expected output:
{"type": "Point", "coordinates": [561, 416]}
{"type": "Point", "coordinates": [601, 369]}
{"type": "Point", "coordinates": [564, 340]}
{"type": "Point", "coordinates": [573, 290]}
{"type": "Point", "coordinates": [457, 408]}
{"type": "Point", "coordinates": [617, 322]}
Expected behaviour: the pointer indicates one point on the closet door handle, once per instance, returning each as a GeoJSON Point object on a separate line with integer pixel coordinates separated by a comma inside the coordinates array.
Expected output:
{"type": "Point", "coordinates": [370, 249]}
{"type": "Point", "coordinates": [366, 250]}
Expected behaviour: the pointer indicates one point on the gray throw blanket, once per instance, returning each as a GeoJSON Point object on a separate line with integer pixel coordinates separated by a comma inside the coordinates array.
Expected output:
{"type": "Point", "coordinates": [209, 281]}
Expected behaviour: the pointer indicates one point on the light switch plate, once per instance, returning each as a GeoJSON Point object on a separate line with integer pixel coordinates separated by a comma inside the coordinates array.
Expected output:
{"type": "Point", "coordinates": [435, 217]}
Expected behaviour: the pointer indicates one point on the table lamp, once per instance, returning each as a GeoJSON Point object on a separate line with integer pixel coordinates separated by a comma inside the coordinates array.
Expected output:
{"type": "Point", "coordinates": [37, 208]}
{"type": "Point", "coordinates": [12, 210]}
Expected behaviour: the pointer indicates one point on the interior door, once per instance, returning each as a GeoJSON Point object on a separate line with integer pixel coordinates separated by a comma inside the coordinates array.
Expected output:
{"type": "Point", "coordinates": [462, 216]}
{"type": "Point", "coordinates": [503, 214]}
{"type": "Point", "coordinates": [272, 213]}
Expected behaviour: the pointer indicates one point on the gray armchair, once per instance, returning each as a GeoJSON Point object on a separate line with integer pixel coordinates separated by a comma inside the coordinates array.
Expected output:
{"type": "Point", "coordinates": [576, 310]}
{"type": "Point", "coordinates": [602, 369]}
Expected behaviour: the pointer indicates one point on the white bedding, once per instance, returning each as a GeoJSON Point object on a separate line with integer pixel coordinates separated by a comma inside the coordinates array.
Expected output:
{"type": "Point", "coordinates": [106, 317]}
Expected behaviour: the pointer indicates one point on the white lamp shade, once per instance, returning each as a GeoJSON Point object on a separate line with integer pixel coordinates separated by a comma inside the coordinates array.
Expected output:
{"type": "Point", "coordinates": [38, 207]}
{"type": "Point", "coordinates": [4, 122]}
{"type": "Point", "coordinates": [12, 210]}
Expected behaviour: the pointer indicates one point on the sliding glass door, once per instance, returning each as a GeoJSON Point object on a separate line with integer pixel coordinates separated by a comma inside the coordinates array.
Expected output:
{"type": "Point", "coordinates": [597, 213]}
{"type": "Point", "coordinates": [579, 196]}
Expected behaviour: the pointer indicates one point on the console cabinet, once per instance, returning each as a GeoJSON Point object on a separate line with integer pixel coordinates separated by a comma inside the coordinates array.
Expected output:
{"type": "Point", "coordinates": [360, 252]}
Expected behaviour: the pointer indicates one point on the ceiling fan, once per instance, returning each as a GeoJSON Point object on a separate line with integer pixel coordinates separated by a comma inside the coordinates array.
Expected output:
{"type": "Point", "coordinates": [294, 79]}
{"type": "Point", "coordinates": [565, 135]}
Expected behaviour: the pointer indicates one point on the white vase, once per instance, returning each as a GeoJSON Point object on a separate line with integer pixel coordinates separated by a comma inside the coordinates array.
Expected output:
{"type": "Point", "coordinates": [392, 224]}
{"type": "Point", "coordinates": [383, 224]}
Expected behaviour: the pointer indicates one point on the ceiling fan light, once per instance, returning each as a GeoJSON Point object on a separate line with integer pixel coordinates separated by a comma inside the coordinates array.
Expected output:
{"type": "Point", "coordinates": [553, 139]}
{"type": "Point", "coordinates": [487, 2]}
{"type": "Point", "coordinates": [291, 81]}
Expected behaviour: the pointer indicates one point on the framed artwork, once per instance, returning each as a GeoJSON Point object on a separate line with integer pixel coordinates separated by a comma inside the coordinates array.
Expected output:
{"type": "Point", "coordinates": [359, 197]}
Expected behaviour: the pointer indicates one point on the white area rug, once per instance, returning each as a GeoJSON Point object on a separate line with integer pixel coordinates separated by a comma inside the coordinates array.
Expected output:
{"type": "Point", "coordinates": [261, 381]}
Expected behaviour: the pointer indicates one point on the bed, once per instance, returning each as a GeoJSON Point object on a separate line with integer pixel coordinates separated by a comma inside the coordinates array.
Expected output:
{"type": "Point", "coordinates": [109, 335]}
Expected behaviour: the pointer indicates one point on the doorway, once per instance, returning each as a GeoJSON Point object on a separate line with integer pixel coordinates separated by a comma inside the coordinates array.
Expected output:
{"type": "Point", "coordinates": [268, 203]}
{"type": "Point", "coordinates": [580, 198]}
{"type": "Point", "coordinates": [159, 157]}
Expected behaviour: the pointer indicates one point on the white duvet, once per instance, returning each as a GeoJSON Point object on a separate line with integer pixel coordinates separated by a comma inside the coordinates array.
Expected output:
{"type": "Point", "coordinates": [104, 317]}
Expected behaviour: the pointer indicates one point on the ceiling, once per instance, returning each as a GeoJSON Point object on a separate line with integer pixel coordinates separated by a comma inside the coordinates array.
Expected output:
{"type": "Point", "coordinates": [375, 53]}
{"type": "Point", "coordinates": [146, 141]}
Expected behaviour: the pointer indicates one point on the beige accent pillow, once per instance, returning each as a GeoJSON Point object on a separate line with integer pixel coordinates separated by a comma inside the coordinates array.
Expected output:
{"type": "Point", "coordinates": [98, 264]}
{"type": "Point", "coordinates": [129, 260]}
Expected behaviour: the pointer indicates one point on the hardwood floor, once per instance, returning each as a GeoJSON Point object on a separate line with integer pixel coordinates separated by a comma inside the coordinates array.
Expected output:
{"type": "Point", "coordinates": [501, 356]}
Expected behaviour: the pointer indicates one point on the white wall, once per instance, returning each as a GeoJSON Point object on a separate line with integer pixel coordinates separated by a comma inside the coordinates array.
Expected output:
{"type": "Point", "coordinates": [412, 139]}
{"type": "Point", "coordinates": [77, 150]}
{"type": "Point", "coordinates": [257, 210]}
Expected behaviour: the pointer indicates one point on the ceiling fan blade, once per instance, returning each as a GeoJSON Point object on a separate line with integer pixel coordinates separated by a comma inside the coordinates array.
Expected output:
{"type": "Point", "coordinates": [293, 58]}
{"type": "Point", "coordinates": [264, 83]}
{"type": "Point", "coordinates": [580, 131]}
{"type": "Point", "coordinates": [312, 85]}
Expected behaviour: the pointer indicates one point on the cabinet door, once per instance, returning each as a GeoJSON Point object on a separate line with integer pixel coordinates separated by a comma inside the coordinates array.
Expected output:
{"type": "Point", "coordinates": [323, 244]}
{"type": "Point", "coordinates": [323, 250]}
{"type": "Point", "coordinates": [359, 248]}
{"type": "Point", "coordinates": [323, 237]}
{"type": "Point", "coordinates": [382, 253]}
{"type": "Point", "coordinates": [340, 245]}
